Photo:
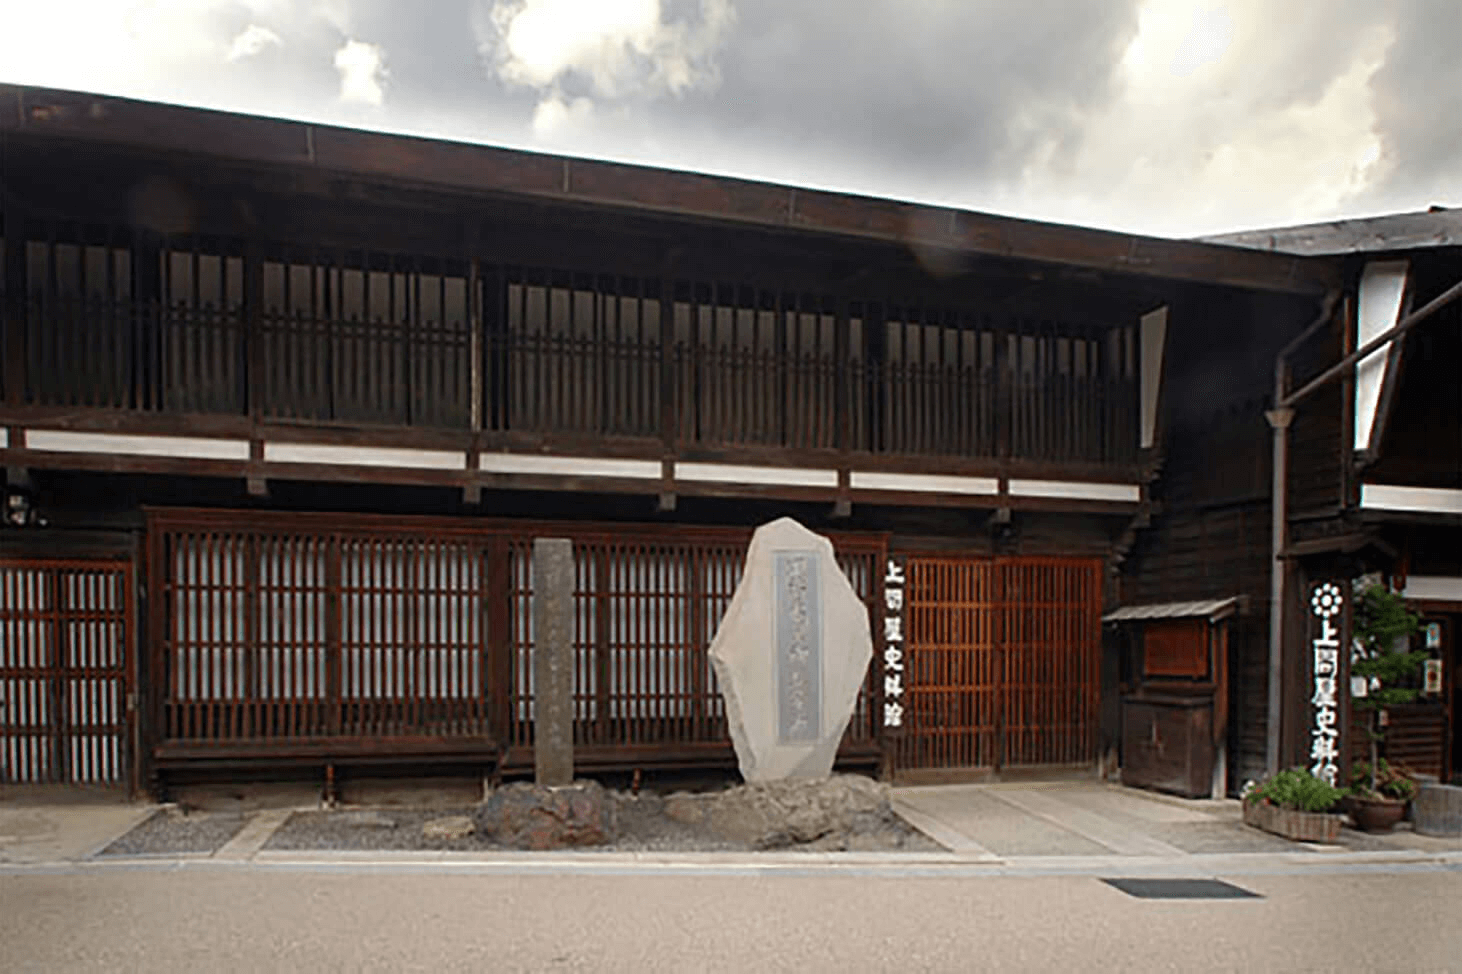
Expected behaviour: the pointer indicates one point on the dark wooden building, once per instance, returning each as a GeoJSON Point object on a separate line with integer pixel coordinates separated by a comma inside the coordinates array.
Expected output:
{"type": "Point", "coordinates": [283, 407]}
{"type": "Point", "coordinates": [1375, 487]}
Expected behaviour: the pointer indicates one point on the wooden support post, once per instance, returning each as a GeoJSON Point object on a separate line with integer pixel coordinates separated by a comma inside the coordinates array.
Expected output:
{"type": "Point", "coordinates": [254, 357]}
{"type": "Point", "coordinates": [148, 316]}
{"type": "Point", "coordinates": [255, 481]}
{"type": "Point", "coordinates": [499, 647]}
{"type": "Point", "coordinates": [699, 578]}
{"type": "Point", "coordinates": [876, 373]}
{"type": "Point", "coordinates": [333, 629]}
{"type": "Point", "coordinates": [601, 650]}
{"type": "Point", "coordinates": [667, 485]}
{"type": "Point", "coordinates": [14, 312]}
{"type": "Point", "coordinates": [842, 377]}
{"type": "Point", "coordinates": [671, 407]}
{"type": "Point", "coordinates": [1004, 394]}
{"type": "Point", "coordinates": [59, 679]}
{"type": "Point", "coordinates": [843, 505]}
{"type": "Point", "coordinates": [472, 492]}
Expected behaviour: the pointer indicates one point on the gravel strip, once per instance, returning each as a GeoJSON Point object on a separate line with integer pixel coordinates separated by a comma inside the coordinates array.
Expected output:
{"type": "Point", "coordinates": [643, 827]}
{"type": "Point", "coordinates": [370, 829]}
{"type": "Point", "coordinates": [172, 832]}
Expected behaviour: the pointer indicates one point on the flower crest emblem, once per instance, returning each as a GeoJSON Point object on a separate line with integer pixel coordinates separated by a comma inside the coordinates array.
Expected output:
{"type": "Point", "coordinates": [1326, 600]}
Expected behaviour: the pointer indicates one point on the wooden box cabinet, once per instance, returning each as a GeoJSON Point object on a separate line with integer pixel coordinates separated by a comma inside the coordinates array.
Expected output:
{"type": "Point", "coordinates": [1168, 742]}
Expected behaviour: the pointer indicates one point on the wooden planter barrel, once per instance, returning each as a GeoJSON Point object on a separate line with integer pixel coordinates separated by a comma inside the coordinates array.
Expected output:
{"type": "Point", "coordinates": [1293, 824]}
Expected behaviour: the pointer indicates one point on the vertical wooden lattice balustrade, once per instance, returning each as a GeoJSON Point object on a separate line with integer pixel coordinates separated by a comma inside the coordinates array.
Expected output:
{"type": "Point", "coordinates": [112, 318]}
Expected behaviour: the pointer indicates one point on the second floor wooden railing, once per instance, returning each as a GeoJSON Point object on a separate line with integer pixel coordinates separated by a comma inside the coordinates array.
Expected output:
{"type": "Point", "coordinates": [1041, 397]}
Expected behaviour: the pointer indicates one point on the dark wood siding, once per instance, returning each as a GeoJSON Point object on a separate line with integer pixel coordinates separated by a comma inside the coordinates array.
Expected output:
{"type": "Point", "coordinates": [1318, 443]}
{"type": "Point", "coordinates": [1212, 536]}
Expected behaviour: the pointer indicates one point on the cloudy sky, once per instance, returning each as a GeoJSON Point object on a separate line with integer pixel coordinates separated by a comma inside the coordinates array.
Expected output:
{"type": "Point", "coordinates": [1173, 117]}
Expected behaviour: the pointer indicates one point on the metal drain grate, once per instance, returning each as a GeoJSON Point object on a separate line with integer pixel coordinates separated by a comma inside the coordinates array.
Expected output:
{"type": "Point", "coordinates": [1181, 889]}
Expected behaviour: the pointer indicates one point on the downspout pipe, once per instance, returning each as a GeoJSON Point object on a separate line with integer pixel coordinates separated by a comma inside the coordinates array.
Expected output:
{"type": "Point", "coordinates": [1279, 419]}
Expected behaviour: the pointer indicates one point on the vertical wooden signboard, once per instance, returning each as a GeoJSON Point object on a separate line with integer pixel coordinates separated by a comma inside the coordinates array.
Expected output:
{"type": "Point", "coordinates": [1329, 656]}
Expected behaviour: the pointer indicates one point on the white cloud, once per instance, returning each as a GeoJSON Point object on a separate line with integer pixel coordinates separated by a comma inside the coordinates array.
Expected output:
{"type": "Point", "coordinates": [363, 72]}
{"type": "Point", "coordinates": [1204, 136]}
{"type": "Point", "coordinates": [250, 41]}
{"type": "Point", "coordinates": [170, 50]}
{"type": "Point", "coordinates": [104, 44]}
{"type": "Point", "coordinates": [556, 115]}
{"type": "Point", "coordinates": [608, 49]}
{"type": "Point", "coordinates": [1189, 116]}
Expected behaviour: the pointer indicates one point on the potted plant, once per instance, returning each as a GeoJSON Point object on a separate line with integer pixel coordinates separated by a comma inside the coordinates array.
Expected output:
{"type": "Point", "coordinates": [1296, 805]}
{"type": "Point", "coordinates": [1385, 662]}
{"type": "Point", "coordinates": [1378, 795]}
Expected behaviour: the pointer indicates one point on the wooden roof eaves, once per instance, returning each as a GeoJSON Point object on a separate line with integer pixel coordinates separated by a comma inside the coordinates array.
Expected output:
{"type": "Point", "coordinates": [154, 127]}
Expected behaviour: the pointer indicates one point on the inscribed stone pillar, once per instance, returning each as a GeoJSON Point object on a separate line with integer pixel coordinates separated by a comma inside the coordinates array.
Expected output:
{"type": "Point", "coordinates": [791, 654]}
{"type": "Point", "coordinates": [553, 661]}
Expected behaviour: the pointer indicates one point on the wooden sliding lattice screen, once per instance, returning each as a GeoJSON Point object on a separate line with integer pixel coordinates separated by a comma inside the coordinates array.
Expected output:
{"type": "Point", "coordinates": [1003, 662]}
{"type": "Point", "coordinates": [333, 635]}
{"type": "Point", "coordinates": [65, 652]}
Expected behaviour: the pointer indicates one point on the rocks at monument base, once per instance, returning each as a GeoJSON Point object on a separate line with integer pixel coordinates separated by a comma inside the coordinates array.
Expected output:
{"type": "Point", "coordinates": [790, 655]}
{"type": "Point", "coordinates": [844, 811]}
{"type": "Point", "coordinates": [528, 816]}
{"type": "Point", "coordinates": [448, 828]}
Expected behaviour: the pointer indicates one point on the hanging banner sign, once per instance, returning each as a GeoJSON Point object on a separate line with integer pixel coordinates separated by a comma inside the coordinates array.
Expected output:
{"type": "Point", "coordinates": [893, 644]}
{"type": "Point", "coordinates": [1432, 681]}
{"type": "Point", "coordinates": [1327, 607]}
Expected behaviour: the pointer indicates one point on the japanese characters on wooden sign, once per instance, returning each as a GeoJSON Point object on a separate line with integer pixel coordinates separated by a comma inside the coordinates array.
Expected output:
{"type": "Point", "coordinates": [893, 644]}
{"type": "Point", "coordinates": [1327, 605]}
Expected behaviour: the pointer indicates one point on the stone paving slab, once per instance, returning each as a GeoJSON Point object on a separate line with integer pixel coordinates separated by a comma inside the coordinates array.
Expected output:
{"type": "Point", "coordinates": [996, 825]}
{"type": "Point", "coordinates": [1114, 833]}
{"type": "Point", "coordinates": [254, 835]}
{"type": "Point", "coordinates": [1142, 807]}
{"type": "Point", "coordinates": [48, 833]}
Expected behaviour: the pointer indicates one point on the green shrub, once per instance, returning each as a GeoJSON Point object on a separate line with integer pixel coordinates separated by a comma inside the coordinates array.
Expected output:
{"type": "Point", "coordinates": [1296, 789]}
{"type": "Point", "coordinates": [1383, 627]}
{"type": "Point", "coordinates": [1390, 782]}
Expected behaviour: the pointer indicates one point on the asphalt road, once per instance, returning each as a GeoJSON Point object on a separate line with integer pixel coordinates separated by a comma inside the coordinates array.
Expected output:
{"type": "Point", "coordinates": [255, 919]}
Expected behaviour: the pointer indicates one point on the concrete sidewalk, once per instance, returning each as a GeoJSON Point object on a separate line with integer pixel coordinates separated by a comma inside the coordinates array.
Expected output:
{"type": "Point", "coordinates": [1096, 819]}
{"type": "Point", "coordinates": [1005, 829]}
{"type": "Point", "coordinates": [63, 824]}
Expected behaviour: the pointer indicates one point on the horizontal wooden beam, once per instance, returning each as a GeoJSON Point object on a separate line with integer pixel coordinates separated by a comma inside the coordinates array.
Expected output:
{"type": "Point", "coordinates": [1063, 496]}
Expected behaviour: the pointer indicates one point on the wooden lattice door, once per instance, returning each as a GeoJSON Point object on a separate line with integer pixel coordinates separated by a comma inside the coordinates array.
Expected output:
{"type": "Point", "coordinates": [66, 631]}
{"type": "Point", "coordinates": [1003, 662]}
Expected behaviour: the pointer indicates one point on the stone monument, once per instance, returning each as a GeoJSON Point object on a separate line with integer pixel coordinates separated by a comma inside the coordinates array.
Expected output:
{"type": "Point", "coordinates": [553, 812]}
{"type": "Point", "coordinates": [791, 654]}
{"type": "Point", "coordinates": [553, 661]}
